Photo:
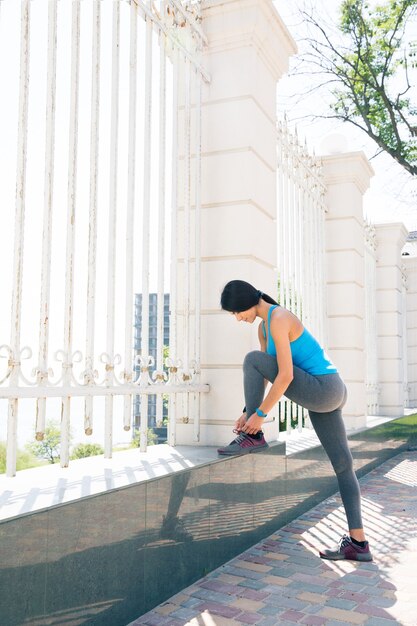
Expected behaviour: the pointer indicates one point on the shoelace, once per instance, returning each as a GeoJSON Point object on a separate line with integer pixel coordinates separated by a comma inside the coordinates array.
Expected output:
{"type": "Point", "coordinates": [344, 541]}
{"type": "Point", "coordinates": [241, 437]}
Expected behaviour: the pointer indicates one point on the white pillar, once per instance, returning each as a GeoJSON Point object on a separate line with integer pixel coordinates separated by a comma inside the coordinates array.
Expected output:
{"type": "Point", "coordinates": [248, 52]}
{"type": "Point", "coordinates": [347, 178]}
{"type": "Point", "coordinates": [410, 264]}
{"type": "Point", "coordinates": [390, 241]}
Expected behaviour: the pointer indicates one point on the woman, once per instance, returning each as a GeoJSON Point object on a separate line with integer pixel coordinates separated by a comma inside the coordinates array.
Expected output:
{"type": "Point", "coordinates": [295, 363]}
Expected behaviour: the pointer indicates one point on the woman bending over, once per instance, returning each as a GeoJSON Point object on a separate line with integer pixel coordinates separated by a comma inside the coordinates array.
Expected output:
{"type": "Point", "coordinates": [295, 363]}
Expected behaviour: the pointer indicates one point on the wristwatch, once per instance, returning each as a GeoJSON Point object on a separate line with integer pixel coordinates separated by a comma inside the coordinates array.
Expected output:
{"type": "Point", "coordinates": [261, 413]}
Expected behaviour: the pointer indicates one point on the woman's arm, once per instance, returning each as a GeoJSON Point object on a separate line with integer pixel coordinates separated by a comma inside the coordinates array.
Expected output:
{"type": "Point", "coordinates": [262, 341]}
{"type": "Point", "coordinates": [280, 332]}
{"type": "Point", "coordinates": [261, 337]}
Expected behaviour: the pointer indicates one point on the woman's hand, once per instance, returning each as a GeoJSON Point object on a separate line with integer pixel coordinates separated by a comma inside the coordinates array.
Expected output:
{"type": "Point", "coordinates": [253, 425]}
{"type": "Point", "coordinates": [240, 422]}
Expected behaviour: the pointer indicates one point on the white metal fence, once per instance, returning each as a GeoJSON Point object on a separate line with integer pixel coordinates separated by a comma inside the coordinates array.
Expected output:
{"type": "Point", "coordinates": [103, 88]}
{"type": "Point", "coordinates": [301, 247]}
{"type": "Point", "coordinates": [371, 340]}
{"type": "Point", "coordinates": [405, 350]}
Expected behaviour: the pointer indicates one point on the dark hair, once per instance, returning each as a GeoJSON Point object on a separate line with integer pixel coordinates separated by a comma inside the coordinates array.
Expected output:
{"type": "Point", "coordinates": [238, 296]}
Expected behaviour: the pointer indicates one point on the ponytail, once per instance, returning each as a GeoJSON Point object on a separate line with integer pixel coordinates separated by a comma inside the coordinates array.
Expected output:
{"type": "Point", "coordinates": [268, 299]}
{"type": "Point", "coordinates": [238, 296]}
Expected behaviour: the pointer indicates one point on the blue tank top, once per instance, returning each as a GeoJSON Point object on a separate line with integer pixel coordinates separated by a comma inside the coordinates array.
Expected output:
{"type": "Point", "coordinates": [307, 353]}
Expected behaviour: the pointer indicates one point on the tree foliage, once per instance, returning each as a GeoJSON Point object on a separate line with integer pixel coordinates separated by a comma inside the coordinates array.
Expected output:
{"type": "Point", "coordinates": [84, 450]}
{"type": "Point", "coordinates": [25, 459]}
{"type": "Point", "coordinates": [370, 73]}
{"type": "Point", "coordinates": [49, 447]}
{"type": "Point", "coordinates": [151, 437]}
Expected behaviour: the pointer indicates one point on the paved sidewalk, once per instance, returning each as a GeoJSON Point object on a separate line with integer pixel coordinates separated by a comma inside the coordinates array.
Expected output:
{"type": "Point", "coordinates": [282, 581]}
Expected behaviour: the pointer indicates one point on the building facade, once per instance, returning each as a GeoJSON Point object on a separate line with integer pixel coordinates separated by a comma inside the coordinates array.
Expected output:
{"type": "Point", "coordinates": [153, 316]}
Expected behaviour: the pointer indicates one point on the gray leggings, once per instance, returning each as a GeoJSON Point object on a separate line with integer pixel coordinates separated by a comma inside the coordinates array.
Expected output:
{"type": "Point", "coordinates": [323, 396]}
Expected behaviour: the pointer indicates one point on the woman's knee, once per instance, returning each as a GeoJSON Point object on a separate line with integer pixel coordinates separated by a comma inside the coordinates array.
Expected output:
{"type": "Point", "coordinates": [344, 400]}
{"type": "Point", "coordinates": [343, 463]}
{"type": "Point", "coordinates": [252, 359]}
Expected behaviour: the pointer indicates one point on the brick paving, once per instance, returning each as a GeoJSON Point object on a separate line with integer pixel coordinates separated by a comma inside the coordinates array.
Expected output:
{"type": "Point", "coordinates": [282, 581]}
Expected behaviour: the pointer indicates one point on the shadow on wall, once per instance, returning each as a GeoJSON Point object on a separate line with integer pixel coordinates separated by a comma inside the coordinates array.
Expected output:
{"type": "Point", "coordinates": [324, 591]}
{"type": "Point", "coordinates": [110, 558]}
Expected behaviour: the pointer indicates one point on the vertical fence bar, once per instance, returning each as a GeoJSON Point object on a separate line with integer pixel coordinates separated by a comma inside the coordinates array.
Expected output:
{"type": "Point", "coordinates": [374, 353]}
{"type": "Point", "coordinates": [306, 303]}
{"type": "Point", "coordinates": [404, 354]}
{"type": "Point", "coordinates": [92, 232]}
{"type": "Point", "coordinates": [292, 225]}
{"type": "Point", "coordinates": [71, 208]}
{"type": "Point", "coordinates": [300, 218]}
{"type": "Point", "coordinates": [323, 334]}
{"type": "Point", "coordinates": [174, 248]}
{"type": "Point", "coordinates": [111, 255]}
{"type": "Point", "coordinates": [304, 264]}
{"type": "Point", "coordinates": [280, 237]}
{"type": "Point", "coordinates": [374, 328]}
{"type": "Point", "coordinates": [318, 254]}
{"type": "Point", "coordinates": [374, 333]}
{"type": "Point", "coordinates": [314, 260]}
{"type": "Point", "coordinates": [161, 221]}
{"type": "Point", "coordinates": [370, 316]}
{"type": "Point", "coordinates": [19, 234]}
{"type": "Point", "coordinates": [130, 225]}
{"type": "Point", "coordinates": [311, 248]}
{"type": "Point", "coordinates": [197, 251]}
{"type": "Point", "coordinates": [280, 214]}
{"type": "Point", "coordinates": [146, 233]}
{"type": "Point", "coordinates": [299, 254]}
{"type": "Point", "coordinates": [186, 229]}
{"type": "Point", "coordinates": [311, 257]}
{"type": "Point", "coordinates": [42, 373]}
{"type": "Point", "coordinates": [298, 173]}
{"type": "Point", "coordinates": [285, 249]}
{"type": "Point", "coordinates": [295, 175]}
{"type": "Point", "coordinates": [307, 244]}
{"type": "Point", "coordinates": [322, 298]}
{"type": "Point", "coordinates": [319, 265]}
{"type": "Point", "coordinates": [318, 268]}
{"type": "Point", "coordinates": [290, 253]}
{"type": "Point", "coordinates": [287, 222]}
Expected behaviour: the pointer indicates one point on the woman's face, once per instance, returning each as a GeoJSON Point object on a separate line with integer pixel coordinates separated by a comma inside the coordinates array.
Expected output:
{"type": "Point", "coordinates": [246, 316]}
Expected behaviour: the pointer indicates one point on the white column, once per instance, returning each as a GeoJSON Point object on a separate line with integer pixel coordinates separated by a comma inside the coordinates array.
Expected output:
{"type": "Point", "coordinates": [347, 178]}
{"type": "Point", "coordinates": [410, 264]}
{"type": "Point", "coordinates": [248, 52]}
{"type": "Point", "coordinates": [390, 241]}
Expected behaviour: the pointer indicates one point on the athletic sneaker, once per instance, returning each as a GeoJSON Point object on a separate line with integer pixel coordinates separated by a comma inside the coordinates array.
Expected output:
{"type": "Point", "coordinates": [347, 550]}
{"type": "Point", "coordinates": [243, 444]}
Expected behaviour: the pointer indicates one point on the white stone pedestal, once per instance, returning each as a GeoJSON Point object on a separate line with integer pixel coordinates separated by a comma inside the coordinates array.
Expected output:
{"type": "Point", "coordinates": [390, 311]}
{"type": "Point", "coordinates": [410, 264]}
{"type": "Point", "coordinates": [347, 178]}
{"type": "Point", "coordinates": [248, 51]}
